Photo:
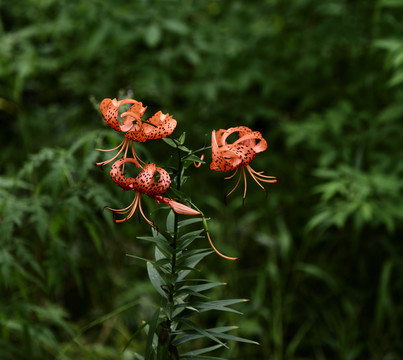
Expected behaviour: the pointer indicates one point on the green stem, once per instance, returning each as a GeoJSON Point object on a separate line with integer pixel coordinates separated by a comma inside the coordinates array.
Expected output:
{"type": "Point", "coordinates": [176, 220]}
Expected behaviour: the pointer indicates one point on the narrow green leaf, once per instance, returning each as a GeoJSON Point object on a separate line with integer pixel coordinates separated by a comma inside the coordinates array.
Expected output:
{"type": "Point", "coordinates": [185, 240]}
{"type": "Point", "coordinates": [160, 241]}
{"type": "Point", "coordinates": [137, 257]}
{"type": "Point", "coordinates": [202, 287]}
{"type": "Point", "coordinates": [234, 338]}
{"type": "Point", "coordinates": [151, 332]}
{"type": "Point", "coordinates": [189, 292]}
{"type": "Point", "coordinates": [134, 336]}
{"type": "Point", "coordinates": [107, 316]}
{"type": "Point", "coordinates": [156, 280]}
{"type": "Point", "coordinates": [189, 335]}
{"type": "Point", "coordinates": [170, 142]}
{"type": "Point", "coordinates": [203, 350]}
{"type": "Point", "coordinates": [192, 158]}
{"type": "Point", "coordinates": [191, 262]}
{"type": "Point", "coordinates": [201, 331]}
{"type": "Point", "coordinates": [187, 222]}
{"type": "Point", "coordinates": [182, 138]}
{"type": "Point", "coordinates": [196, 357]}
{"type": "Point", "coordinates": [190, 234]}
{"type": "Point", "coordinates": [170, 223]}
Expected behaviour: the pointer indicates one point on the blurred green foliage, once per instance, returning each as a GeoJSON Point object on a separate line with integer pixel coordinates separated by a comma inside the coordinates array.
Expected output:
{"type": "Point", "coordinates": [321, 258]}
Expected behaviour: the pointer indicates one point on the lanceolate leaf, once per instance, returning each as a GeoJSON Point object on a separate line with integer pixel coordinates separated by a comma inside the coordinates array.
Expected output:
{"type": "Point", "coordinates": [170, 223]}
{"type": "Point", "coordinates": [156, 279]}
{"type": "Point", "coordinates": [192, 335]}
{"type": "Point", "coordinates": [160, 241]}
{"type": "Point", "coordinates": [189, 335]}
{"type": "Point", "coordinates": [191, 262]}
{"type": "Point", "coordinates": [201, 351]}
{"type": "Point", "coordinates": [202, 287]}
{"type": "Point", "coordinates": [201, 331]}
{"type": "Point", "coordinates": [187, 222]}
{"type": "Point", "coordinates": [185, 240]}
{"type": "Point", "coordinates": [196, 357]}
{"type": "Point", "coordinates": [151, 331]}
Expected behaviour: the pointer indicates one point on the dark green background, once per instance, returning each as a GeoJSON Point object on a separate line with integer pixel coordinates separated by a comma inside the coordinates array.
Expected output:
{"type": "Point", "coordinates": [320, 257]}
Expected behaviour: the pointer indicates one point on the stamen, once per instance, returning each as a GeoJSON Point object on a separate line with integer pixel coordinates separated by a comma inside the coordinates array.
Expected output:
{"type": "Point", "coordinates": [142, 213]}
{"type": "Point", "coordinates": [135, 156]}
{"type": "Point", "coordinates": [246, 185]}
{"type": "Point", "coordinates": [230, 177]}
{"type": "Point", "coordinates": [260, 177]}
{"type": "Point", "coordinates": [123, 146]}
{"type": "Point", "coordinates": [214, 248]}
{"type": "Point", "coordinates": [260, 174]}
{"type": "Point", "coordinates": [236, 185]}
{"type": "Point", "coordinates": [125, 156]}
{"type": "Point", "coordinates": [132, 210]}
{"type": "Point", "coordinates": [117, 147]}
{"type": "Point", "coordinates": [124, 210]}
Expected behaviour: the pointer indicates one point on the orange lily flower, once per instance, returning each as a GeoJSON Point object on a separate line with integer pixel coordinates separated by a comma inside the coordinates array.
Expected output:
{"type": "Point", "coordinates": [145, 183]}
{"type": "Point", "coordinates": [238, 155]}
{"type": "Point", "coordinates": [158, 126]}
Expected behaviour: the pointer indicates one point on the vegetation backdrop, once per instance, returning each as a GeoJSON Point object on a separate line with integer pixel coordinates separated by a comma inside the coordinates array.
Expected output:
{"type": "Point", "coordinates": [321, 258]}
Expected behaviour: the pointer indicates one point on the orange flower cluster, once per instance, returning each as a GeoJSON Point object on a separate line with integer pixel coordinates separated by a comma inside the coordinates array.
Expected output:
{"type": "Point", "coordinates": [226, 156]}
{"type": "Point", "coordinates": [238, 155]}
{"type": "Point", "coordinates": [158, 126]}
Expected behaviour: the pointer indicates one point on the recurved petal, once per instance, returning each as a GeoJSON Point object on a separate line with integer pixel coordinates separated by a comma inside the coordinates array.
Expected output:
{"type": "Point", "coordinates": [126, 183]}
{"type": "Point", "coordinates": [241, 130]}
{"type": "Point", "coordinates": [240, 154]}
{"type": "Point", "coordinates": [161, 185]}
{"type": "Point", "coordinates": [162, 126]}
{"type": "Point", "coordinates": [145, 178]}
{"type": "Point", "coordinates": [219, 136]}
{"type": "Point", "coordinates": [250, 141]}
{"type": "Point", "coordinates": [135, 113]}
{"type": "Point", "coordinates": [109, 109]}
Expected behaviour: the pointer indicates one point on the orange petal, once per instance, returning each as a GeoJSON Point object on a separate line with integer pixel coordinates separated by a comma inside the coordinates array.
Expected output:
{"type": "Point", "coordinates": [126, 183]}
{"type": "Point", "coordinates": [164, 125]}
{"type": "Point", "coordinates": [109, 111]}
{"type": "Point", "coordinates": [162, 185]}
{"type": "Point", "coordinates": [177, 207]}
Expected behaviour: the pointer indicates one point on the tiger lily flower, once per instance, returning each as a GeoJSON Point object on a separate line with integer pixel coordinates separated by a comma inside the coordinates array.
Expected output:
{"type": "Point", "coordinates": [238, 155]}
{"type": "Point", "coordinates": [158, 126]}
{"type": "Point", "coordinates": [145, 183]}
